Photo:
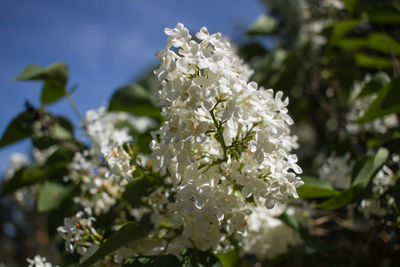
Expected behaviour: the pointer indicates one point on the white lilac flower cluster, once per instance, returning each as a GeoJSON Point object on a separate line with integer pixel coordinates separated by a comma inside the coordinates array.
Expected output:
{"type": "Point", "coordinates": [267, 236]}
{"type": "Point", "coordinates": [105, 167]}
{"type": "Point", "coordinates": [358, 107]}
{"type": "Point", "coordinates": [39, 261]}
{"type": "Point", "coordinates": [337, 171]}
{"type": "Point", "coordinates": [224, 142]}
{"type": "Point", "coordinates": [81, 236]}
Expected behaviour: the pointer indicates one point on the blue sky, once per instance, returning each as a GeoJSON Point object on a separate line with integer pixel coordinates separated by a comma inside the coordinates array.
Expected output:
{"type": "Point", "coordinates": [106, 43]}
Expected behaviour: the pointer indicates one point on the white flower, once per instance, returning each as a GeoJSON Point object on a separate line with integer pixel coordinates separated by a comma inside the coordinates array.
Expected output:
{"type": "Point", "coordinates": [178, 35]}
{"type": "Point", "coordinates": [267, 236]}
{"type": "Point", "coordinates": [105, 168]}
{"type": "Point", "coordinates": [39, 261]}
{"type": "Point", "coordinates": [337, 171]}
{"type": "Point", "coordinates": [76, 228]}
{"type": "Point", "coordinates": [222, 135]}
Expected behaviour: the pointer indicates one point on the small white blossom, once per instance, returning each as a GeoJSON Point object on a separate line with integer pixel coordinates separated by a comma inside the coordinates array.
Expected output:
{"type": "Point", "coordinates": [267, 236]}
{"type": "Point", "coordinates": [337, 171]}
{"type": "Point", "coordinates": [39, 261]}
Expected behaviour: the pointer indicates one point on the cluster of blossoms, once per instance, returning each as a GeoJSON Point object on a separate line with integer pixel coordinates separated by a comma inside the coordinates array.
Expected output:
{"type": "Point", "coordinates": [225, 141]}
{"type": "Point", "coordinates": [76, 229]}
{"type": "Point", "coordinates": [39, 261]}
{"type": "Point", "coordinates": [105, 168]}
{"type": "Point", "coordinates": [80, 235]}
{"type": "Point", "coordinates": [267, 236]}
{"type": "Point", "coordinates": [359, 106]}
{"type": "Point", "coordinates": [337, 171]}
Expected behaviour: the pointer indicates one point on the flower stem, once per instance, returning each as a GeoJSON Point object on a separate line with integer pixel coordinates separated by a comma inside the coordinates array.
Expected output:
{"type": "Point", "coordinates": [219, 132]}
{"type": "Point", "coordinates": [72, 102]}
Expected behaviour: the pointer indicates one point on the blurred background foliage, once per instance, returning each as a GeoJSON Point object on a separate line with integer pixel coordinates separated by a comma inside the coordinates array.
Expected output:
{"type": "Point", "coordinates": [326, 56]}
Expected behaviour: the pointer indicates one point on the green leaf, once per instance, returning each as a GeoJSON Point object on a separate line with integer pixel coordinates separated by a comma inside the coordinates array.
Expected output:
{"type": "Point", "coordinates": [343, 27]}
{"type": "Point", "coordinates": [16, 131]}
{"type": "Point", "coordinates": [383, 139]}
{"type": "Point", "coordinates": [341, 200]}
{"type": "Point", "coordinates": [315, 191]}
{"type": "Point", "coordinates": [386, 102]}
{"type": "Point", "coordinates": [350, 5]}
{"type": "Point", "coordinates": [125, 235]}
{"type": "Point", "coordinates": [379, 80]}
{"type": "Point", "coordinates": [57, 71]}
{"type": "Point", "coordinates": [371, 166]}
{"type": "Point", "coordinates": [376, 41]}
{"type": "Point", "coordinates": [263, 25]}
{"type": "Point", "coordinates": [290, 220]}
{"type": "Point", "coordinates": [138, 188]}
{"type": "Point", "coordinates": [52, 91]}
{"type": "Point", "coordinates": [134, 99]}
{"type": "Point", "coordinates": [228, 259]}
{"type": "Point", "coordinates": [387, 16]}
{"type": "Point", "coordinates": [55, 78]}
{"type": "Point", "coordinates": [367, 61]}
{"type": "Point", "coordinates": [51, 195]}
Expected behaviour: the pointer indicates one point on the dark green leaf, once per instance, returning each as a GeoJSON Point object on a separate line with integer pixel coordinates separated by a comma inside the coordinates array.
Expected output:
{"type": "Point", "coordinates": [371, 166]}
{"type": "Point", "coordinates": [134, 99]}
{"type": "Point", "coordinates": [57, 71]}
{"type": "Point", "coordinates": [386, 102]}
{"type": "Point", "coordinates": [290, 220]}
{"type": "Point", "coordinates": [315, 191]}
{"type": "Point", "coordinates": [51, 195]}
{"type": "Point", "coordinates": [341, 200]}
{"type": "Point", "coordinates": [384, 16]}
{"type": "Point", "coordinates": [383, 139]}
{"type": "Point", "coordinates": [55, 78]}
{"type": "Point", "coordinates": [350, 5]}
{"type": "Point", "coordinates": [138, 188]}
{"type": "Point", "coordinates": [263, 25]}
{"type": "Point", "coordinates": [52, 91]}
{"type": "Point", "coordinates": [342, 28]}
{"type": "Point", "coordinates": [375, 41]}
{"type": "Point", "coordinates": [17, 130]}
{"type": "Point", "coordinates": [367, 61]}
{"type": "Point", "coordinates": [379, 80]}
{"type": "Point", "coordinates": [125, 235]}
